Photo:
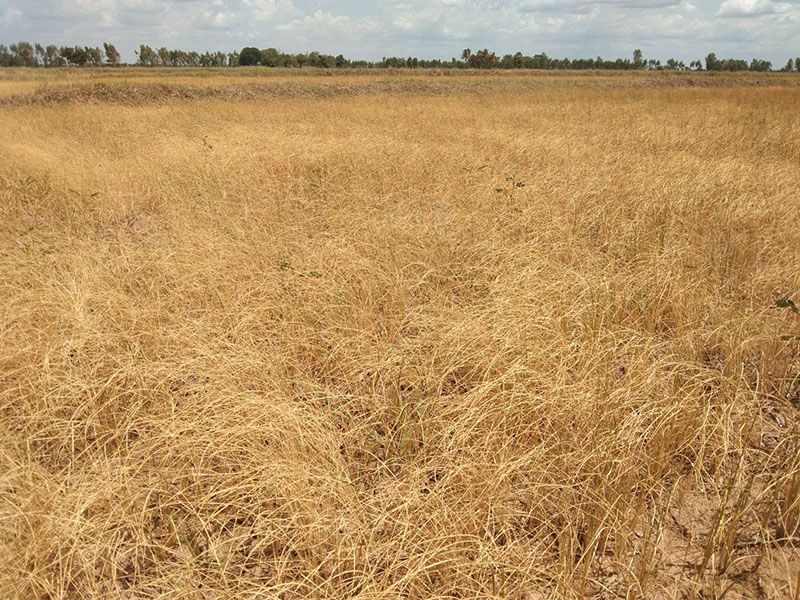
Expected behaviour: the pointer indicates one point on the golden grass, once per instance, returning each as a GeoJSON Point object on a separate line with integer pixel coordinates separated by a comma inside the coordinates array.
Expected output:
{"type": "Point", "coordinates": [15, 81]}
{"type": "Point", "coordinates": [506, 343]}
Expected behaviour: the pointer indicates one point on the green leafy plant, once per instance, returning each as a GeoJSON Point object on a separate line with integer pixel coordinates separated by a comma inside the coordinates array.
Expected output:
{"type": "Point", "coordinates": [787, 303]}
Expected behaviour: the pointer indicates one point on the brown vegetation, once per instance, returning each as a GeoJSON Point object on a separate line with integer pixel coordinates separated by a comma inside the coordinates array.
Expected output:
{"type": "Point", "coordinates": [489, 342]}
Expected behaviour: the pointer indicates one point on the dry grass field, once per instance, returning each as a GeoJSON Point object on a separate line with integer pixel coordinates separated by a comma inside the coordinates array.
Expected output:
{"type": "Point", "coordinates": [461, 337]}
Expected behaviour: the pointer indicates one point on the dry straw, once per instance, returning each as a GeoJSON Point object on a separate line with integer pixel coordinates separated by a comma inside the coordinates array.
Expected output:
{"type": "Point", "coordinates": [501, 341]}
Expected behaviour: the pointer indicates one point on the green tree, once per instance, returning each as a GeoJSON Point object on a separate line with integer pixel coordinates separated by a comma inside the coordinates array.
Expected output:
{"type": "Point", "coordinates": [313, 58]}
{"type": "Point", "coordinates": [270, 57]}
{"type": "Point", "coordinates": [93, 56]}
{"type": "Point", "coordinates": [112, 56]}
{"type": "Point", "coordinates": [79, 56]}
{"type": "Point", "coordinates": [22, 55]}
{"type": "Point", "coordinates": [676, 65]}
{"type": "Point", "coordinates": [760, 65]}
{"type": "Point", "coordinates": [163, 56]}
{"type": "Point", "coordinates": [712, 64]}
{"type": "Point", "coordinates": [483, 59]}
{"type": "Point", "coordinates": [638, 60]}
{"type": "Point", "coordinates": [249, 56]}
{"type": "Point", "coordinates": [52, 57]}
{"type": "Point", "coordinates": [74, 55]}
{"type": "Point", "coordinates": [147, 56]}
{"type": "Point", "coordinates": [66, 53]}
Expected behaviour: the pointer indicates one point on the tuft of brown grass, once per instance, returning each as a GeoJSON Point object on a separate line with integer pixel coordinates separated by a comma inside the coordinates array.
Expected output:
{"type": "Point", "coordinates": [496, 341]}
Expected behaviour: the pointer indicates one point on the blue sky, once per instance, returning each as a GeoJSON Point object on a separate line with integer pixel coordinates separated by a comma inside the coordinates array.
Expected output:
{"type": "Point", "coordinates": [684, 29]}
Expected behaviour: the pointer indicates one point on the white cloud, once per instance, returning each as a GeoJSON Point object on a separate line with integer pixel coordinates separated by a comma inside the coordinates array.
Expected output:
{"type": "Point", "coordinates": [10, 14]}
{"type": "Point", "coordinates": [584, 6]}
{"type": "Point", "coordinates": [323, 21]}
{"type": "Point", "coordinates": [751, 8]}
{"type": "Point", "coordinates": [265, 10]}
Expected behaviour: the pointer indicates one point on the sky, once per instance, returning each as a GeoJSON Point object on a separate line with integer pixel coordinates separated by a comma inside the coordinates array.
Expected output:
{"type": "Point", "coordinates": [683, 29]}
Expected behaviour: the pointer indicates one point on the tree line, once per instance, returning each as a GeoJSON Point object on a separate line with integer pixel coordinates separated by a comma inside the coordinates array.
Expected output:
{"type": "Point", "coordinates": [484, 59]}
{"type": "Point", "coordinates": [25, 54]}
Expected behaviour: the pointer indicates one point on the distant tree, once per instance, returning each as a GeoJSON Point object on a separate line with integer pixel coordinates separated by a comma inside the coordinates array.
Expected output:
{"type": "Point", "coordinates": [112, 56]}
{"type": "Point", "coordinates": [147, 56]}
{"type": "Point", "coordinates": [93, 56]}
{"type": "Point", "coordinates": [314, 59]}
{"type": "Point", "coordinates": [270, 57]}
{"type": "Point", "coordinates": [22, 55]}
{"type": "Point", "coordinates": [163, 56]}
{"type": "Point", "coordinates": [676, 65]}
{"type": "Point", "coordinates": [51, 57]}
{"type": "Point", "coordinates": [326, 61]}
{"type": "Point", "coordinates": [66, 54]}
{"type": "Point", "coordinates": [26, 54]}
{"type": "Point", "coordinates": [638, 60]}
{"type": "Point", "coordinates": [249, 56]}
{"type": "Point", "coordinates": [76, 56]}
{"type": "Point", "coordinates": [483, 59]}
{"type": "Point", "coordinates": [541, 61]}
{"type": "Point", "coordinates": [80, 56]}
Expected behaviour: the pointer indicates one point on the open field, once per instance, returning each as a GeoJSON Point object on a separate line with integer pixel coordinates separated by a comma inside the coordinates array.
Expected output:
{"type": "Point", "coordinates": [397, 338]}
{"type": "Point", "coordinates": [25, 81]}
